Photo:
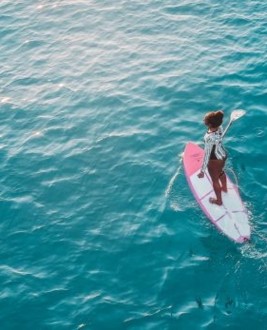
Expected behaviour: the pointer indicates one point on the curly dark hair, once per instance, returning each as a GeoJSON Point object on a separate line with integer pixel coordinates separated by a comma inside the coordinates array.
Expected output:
{"type": "Point", "coordinates": [214, 118]}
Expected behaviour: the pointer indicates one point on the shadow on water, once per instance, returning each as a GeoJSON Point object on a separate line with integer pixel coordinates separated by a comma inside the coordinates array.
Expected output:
{"type": "Point", "coordinates": [214, 283]}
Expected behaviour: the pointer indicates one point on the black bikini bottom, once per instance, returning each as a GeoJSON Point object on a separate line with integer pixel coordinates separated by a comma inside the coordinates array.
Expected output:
{"type": "Point", "coordinates": [213, 156]}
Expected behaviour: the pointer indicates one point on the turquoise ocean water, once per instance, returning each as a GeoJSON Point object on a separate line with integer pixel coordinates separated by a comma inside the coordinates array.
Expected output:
{"type": "Point", "coordinates": [99, 229]}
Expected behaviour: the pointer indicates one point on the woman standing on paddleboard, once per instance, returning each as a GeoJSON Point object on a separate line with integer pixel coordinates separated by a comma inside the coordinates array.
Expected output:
{"type": "Point", "coordinates": [215, 155]}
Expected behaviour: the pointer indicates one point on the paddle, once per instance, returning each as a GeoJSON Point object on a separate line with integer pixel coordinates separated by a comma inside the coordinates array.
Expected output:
{"type": "Point", "coordinates": [236, 114]}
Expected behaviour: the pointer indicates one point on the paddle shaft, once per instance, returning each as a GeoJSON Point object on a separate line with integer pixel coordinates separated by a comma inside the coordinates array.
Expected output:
{"type": "Point", "coordinates": [236, 114]}
{"type": "Point", "coordinates": [227, 127]}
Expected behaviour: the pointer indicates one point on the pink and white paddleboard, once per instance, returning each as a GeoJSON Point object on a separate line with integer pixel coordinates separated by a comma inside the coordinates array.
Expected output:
{"type": "Point", "coordinates": [231, 218]}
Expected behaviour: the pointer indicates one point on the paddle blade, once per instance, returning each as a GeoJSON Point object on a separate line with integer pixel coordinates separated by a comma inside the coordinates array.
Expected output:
{"type": "Point", "coordinates": [236, 114]}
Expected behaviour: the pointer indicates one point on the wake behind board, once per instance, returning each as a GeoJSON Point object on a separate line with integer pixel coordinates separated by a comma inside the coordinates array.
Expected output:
{"type": "Point", "coordinates": [231, 218]}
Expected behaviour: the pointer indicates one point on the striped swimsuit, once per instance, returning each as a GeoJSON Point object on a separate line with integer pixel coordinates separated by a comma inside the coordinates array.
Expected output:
{"type": "Point", "coordinates": [213, 147]}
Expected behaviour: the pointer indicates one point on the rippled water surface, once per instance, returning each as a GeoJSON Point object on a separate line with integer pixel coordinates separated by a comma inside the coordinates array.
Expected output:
{"type": "Point", "coordinates": [97, 101]}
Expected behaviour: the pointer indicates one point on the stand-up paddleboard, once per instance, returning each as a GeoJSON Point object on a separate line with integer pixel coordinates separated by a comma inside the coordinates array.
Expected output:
{"type": "Point", "coordinates": [231, 218]}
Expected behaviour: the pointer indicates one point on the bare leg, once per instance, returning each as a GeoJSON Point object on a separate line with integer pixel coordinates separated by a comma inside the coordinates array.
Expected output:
{"type": "Point", "coordinates": [215, 168]}
{"type": "Point", "coordinates": [218, 192]}
{"type": "Point", "coordinates": [222, 179]}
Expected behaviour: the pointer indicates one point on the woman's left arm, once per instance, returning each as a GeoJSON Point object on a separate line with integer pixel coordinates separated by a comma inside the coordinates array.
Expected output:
{"type": "Point", "coordinates": [208, 148]}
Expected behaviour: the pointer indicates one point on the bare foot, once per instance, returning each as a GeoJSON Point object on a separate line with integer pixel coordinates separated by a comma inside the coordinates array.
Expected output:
{"type": "Point", "coordinates": [215, 201]}
{"type": "Point", "coordinates": [224, 189]}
